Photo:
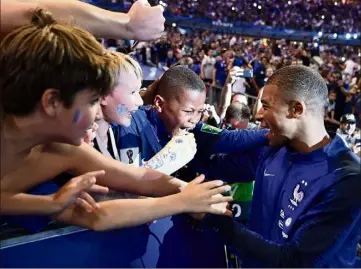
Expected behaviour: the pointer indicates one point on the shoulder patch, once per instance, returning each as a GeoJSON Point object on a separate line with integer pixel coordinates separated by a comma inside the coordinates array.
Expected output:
{"type": "Point", "coordinates": [210, 129]}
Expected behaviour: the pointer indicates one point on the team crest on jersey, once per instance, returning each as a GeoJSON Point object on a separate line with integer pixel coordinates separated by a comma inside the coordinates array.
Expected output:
{"type": "Point", "coordinates": [210, 129]}
{"type": "Point", "coordinates": [298, 194]}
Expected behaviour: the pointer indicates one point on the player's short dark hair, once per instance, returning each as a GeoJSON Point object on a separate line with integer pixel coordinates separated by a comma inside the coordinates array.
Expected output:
{"type": "Point", "coordinates": [177, 79]}
{"type": "Point", "coordinates": [303, 83]}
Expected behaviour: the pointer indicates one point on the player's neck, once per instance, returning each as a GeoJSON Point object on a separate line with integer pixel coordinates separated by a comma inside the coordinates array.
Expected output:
{"type": "Point", "coordinates": [310, 137]}
{"type": "Point", "coordinates": [21, 134]}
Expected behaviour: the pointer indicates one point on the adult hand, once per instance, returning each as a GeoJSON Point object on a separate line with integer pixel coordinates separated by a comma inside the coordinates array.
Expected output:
{"type": "Point", "coordinates": [146, 23]}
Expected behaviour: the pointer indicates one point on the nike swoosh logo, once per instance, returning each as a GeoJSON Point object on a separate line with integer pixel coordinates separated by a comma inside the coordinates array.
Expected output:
{"type": "Point", "coordinates": [267, 175]}
{"type": "Point", "coordinates": [234, 191]}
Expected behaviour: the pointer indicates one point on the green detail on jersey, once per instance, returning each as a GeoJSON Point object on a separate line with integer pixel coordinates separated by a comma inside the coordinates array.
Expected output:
{"type": "Point", "coordinates": [210, 129]}
{"type": "Point", "coordinates": [242, 192]}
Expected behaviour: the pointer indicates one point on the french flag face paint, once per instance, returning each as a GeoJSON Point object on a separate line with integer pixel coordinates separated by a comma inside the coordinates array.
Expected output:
{"type": "Point", "coordinates": [122, 110]}
{"type": "Point", "coordinates": [77, 116]}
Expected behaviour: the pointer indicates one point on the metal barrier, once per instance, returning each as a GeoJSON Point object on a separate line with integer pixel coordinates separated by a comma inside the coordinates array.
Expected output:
{"type": "Point", "coordinates": [168, 243]}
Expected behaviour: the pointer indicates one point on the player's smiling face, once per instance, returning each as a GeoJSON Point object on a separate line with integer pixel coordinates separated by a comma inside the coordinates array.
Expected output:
{"type": "Point", "coordinates": [275, 116]}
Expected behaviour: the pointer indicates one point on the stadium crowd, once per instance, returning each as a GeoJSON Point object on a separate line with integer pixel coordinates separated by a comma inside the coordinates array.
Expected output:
{"type": "Point", "coordinates": [312, 15]}
{"type": "Point", "coordinates": [213, 55]}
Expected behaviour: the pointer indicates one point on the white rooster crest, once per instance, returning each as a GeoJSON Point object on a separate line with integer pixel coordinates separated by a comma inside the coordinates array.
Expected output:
{"type": "Point", "coordinates": [297, 195]}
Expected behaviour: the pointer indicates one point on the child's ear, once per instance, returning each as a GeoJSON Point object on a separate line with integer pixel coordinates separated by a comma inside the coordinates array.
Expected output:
{"type": "Point", "coordinates": [158, 103]}
{"type": "Point", "coordinates": [103, 100]}
{"type": "Point", "coordinates": [51, 102]}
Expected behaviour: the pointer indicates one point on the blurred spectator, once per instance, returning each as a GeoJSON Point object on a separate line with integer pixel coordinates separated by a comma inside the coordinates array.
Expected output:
{"type": "Point", "coordinates": [162, 49]}
{"type": "Point", "coordinates": [347, 129]}
{"type": "Point", "coordinates": [237, 116]}
{"type": "Point", "coordinates": [220, 70]}
{"type": "Point", "coordinates": [207, 66]}
{"type": "Point", "coordinates": [259, 71]}
{"type": "Point", "coordinates": [239, 98]}
{"type": "Point", "coordinates": [171, 59]}
{"type": "Point", "coordinates": [350, 65]}
{"type": "Point", "coordinates": [330, 122]}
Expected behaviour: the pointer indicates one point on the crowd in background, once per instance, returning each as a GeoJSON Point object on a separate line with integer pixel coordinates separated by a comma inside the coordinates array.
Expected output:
{"type": "Point", "coordinates": [206, 52]}
{"type": "Point", "coordinates": [312, 15]}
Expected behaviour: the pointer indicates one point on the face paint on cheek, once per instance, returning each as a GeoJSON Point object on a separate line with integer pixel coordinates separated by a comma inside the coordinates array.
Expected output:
{"type": "Point", "coordinates": [77, 116]}
{"type": "Point", "coordinates": [81, 120]}
{"type": "Point", "coordinates": [122, 110]}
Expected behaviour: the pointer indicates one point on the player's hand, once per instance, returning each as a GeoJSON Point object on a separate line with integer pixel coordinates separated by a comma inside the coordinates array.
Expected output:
{"type": "Point", "coordinates": [198, 197]}
{"type": "Point", "coordinates": [76, 192]}
{"type": "Point", "coordinates": [146, 23]}
{"type": "Point", "coordinates": [200, 216]}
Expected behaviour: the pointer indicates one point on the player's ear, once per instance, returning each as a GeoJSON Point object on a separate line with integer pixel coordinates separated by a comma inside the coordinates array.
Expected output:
{"type": "Point", "coordinates": [296, 108]}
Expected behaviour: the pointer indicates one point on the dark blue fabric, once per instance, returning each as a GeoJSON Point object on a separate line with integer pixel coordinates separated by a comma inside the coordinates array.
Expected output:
{"type": "Point", "coordinates": [146, 132]}
{"type": "Point", "coordinates": [259, 71]}
{"type": "Point", "coordinates": [227, 141]}
{"type": "Point", "coordinates": [239, 61]}
{"type": "Point", "coordinates": [305, 208]}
